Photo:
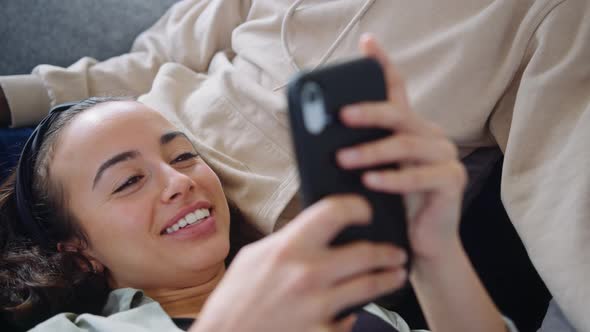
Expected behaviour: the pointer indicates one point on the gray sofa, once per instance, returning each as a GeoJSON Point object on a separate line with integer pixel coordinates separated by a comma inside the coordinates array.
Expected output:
{"type": "Point", "coordinates": [60, 32]}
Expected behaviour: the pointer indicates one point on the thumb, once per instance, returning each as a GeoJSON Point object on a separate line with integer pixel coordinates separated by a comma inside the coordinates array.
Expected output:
{"type": "Point", "coordinates": [319, 224]}
{"type": "Point", "coordinates": [396, 86]}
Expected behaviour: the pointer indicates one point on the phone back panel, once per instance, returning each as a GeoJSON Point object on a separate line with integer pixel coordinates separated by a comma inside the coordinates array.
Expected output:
{"type": "Point", "coordinates": [349, 83]}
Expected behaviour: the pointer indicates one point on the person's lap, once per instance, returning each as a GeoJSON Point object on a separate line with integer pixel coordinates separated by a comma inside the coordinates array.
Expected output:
{"type": "Point", "coordinates": [11, 143]}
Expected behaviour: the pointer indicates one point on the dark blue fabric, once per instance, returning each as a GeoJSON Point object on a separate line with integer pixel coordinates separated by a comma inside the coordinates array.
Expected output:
{"type": "Point", "coordinates": [183, 323]}
{"type": "Point", "coordinates": [11, 144]}
{"type": "Point", "coordinates": [366, 322]}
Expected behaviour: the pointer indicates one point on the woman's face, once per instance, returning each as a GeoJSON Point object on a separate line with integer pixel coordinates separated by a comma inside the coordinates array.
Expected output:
{"type": "Point", "coordinates": [155, 214]}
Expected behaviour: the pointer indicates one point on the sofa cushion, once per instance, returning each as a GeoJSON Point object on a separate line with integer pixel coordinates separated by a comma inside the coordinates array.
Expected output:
{"type": "Point", "coordinates": [59, 32]}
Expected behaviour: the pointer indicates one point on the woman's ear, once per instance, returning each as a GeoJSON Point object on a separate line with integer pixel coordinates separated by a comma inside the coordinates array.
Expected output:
{"type": "Point", "coordinates": [67, 247]}
{"type": "Point", "coordinates": [97, 266]}
{"type": "Point", "coordinates": [75, 247]}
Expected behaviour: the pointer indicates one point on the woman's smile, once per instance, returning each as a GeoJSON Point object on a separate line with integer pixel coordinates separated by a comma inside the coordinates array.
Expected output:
{"type": "Point", "coordinates": [194, 222]}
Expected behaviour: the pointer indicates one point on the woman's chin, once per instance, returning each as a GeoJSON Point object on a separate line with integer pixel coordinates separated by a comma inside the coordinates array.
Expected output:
{"type": "Point", "coordinates": [205, 255]}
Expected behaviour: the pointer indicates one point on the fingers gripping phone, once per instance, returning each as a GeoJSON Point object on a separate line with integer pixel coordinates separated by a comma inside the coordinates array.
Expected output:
{"type": "Point", "coordinates": [314, 100]}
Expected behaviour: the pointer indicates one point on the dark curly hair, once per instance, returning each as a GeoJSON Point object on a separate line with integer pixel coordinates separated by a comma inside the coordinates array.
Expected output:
{"type": "Point", "coordinates": [38, 282]}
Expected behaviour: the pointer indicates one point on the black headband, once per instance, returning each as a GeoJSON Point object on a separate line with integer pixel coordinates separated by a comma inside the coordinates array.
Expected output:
{"type": "Point", "coordinates": [25, 170]}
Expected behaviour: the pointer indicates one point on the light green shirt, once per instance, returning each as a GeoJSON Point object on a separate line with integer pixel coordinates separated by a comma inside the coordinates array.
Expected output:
{"type": "Point", "coordinates": [129, 310]}
{"type": "Point", "coordinates": [126, 310]}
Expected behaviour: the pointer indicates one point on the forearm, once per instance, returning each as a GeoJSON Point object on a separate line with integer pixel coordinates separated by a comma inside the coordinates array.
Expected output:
{"type": "Point", "coordinates": [452, 296]}
{"type": "Point", "coordinates": [204, 326]}
{"type": "Point", "coordinates": [4, 110]}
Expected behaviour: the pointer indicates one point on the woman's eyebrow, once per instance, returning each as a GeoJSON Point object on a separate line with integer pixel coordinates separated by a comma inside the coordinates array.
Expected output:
{"type": "Point", "coordinates": [124, 156]}
{"type": "Point", "coordinates": [170, 136]}
{"type": "Point", "coordinates": [112, 162]}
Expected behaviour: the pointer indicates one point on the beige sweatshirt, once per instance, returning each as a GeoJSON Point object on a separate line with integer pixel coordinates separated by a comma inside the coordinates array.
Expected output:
{"type": "Point", "coordinates": [513, 73]}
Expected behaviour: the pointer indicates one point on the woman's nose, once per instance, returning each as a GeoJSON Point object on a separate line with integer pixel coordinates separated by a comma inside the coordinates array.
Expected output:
{"type": "Point", "coordinates": [178, 185]}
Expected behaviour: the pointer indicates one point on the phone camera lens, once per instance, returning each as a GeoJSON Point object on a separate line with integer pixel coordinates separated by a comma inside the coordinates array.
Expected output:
{"type": "Point", "coordinates": [312, 93]}
{"type": "Point", "coordinates": [313, 96]}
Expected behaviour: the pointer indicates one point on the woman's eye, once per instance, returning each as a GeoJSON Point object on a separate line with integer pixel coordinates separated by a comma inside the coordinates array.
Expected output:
{"type": "Point", "coordinates": [131, 181]}
{"type": "Point", "coordinates": [184, 157]}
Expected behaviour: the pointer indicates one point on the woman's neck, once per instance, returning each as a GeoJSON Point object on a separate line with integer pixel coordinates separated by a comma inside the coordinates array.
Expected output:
{"type": "Point", "coordinates": [186, 302]}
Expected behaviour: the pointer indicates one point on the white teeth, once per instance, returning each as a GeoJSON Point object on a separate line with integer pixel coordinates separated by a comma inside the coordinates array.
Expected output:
{"type": "Point", "coordinates": [189, 219]}
{"type": "Point", "coordinates": [204, 213]}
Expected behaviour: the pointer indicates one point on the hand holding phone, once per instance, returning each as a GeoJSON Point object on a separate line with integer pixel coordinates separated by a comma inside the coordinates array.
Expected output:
{"type": "Point", "coordinates": [315, 101]}
{"type": "Point", "coordinates": [431, 179]}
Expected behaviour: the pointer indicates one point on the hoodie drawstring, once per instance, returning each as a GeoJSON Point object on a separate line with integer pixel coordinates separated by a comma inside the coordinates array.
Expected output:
{"type": "Point", "coordinates": [287, 52]}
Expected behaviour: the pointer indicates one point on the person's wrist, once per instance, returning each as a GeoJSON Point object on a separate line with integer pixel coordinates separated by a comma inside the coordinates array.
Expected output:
{"type": "Point", "coordinates": [424, 266]}
{"type": "Point", "coordinates": [5, 118]}
{"type": "Point", "coordinates": [203, 326]}
{"type": "Point", "coordinates": [208, 321]}
{"type": "Point", "coordinates": [208, 325]}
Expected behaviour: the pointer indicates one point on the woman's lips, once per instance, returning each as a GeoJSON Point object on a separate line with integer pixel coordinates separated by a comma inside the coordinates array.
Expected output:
{"type": "Point", "coordinates": [199, 230]}
{"type": "Point", "coordinates": [185, 211]}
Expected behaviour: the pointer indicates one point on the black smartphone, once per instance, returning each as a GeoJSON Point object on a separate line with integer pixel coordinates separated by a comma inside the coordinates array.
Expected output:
{"type": "Point", "coordinates": [314, 99]}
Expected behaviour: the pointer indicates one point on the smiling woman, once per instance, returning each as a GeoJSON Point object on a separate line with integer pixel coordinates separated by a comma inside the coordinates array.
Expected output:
{"type": "Point", "coordinates": [156, 197]}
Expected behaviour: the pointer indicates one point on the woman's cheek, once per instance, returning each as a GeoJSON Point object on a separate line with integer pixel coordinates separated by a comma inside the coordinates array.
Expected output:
{"type": "Point", "coordinates": [133, 216]}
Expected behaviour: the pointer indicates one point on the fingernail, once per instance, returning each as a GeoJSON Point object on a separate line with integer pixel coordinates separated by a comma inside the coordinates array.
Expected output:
{"type": "Point", "coordinates": [403, 257]}
{"type": "Point", "coordinates": [402, 275]}
{"type": "Point", "coordinates": [348, 156]}
{"type": "Point", "coordinates": [397, 255]}
{"type": "Point", "coordinates": [352, 112]}
{"type": "Point", "coordinates": [373, 179]}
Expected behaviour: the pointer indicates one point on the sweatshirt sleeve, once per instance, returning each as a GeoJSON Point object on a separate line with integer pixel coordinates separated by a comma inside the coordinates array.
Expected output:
{"type": "Point", "coordinates": [545, 134]}
{"type": "Point", "coordinates": [190, 33]}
